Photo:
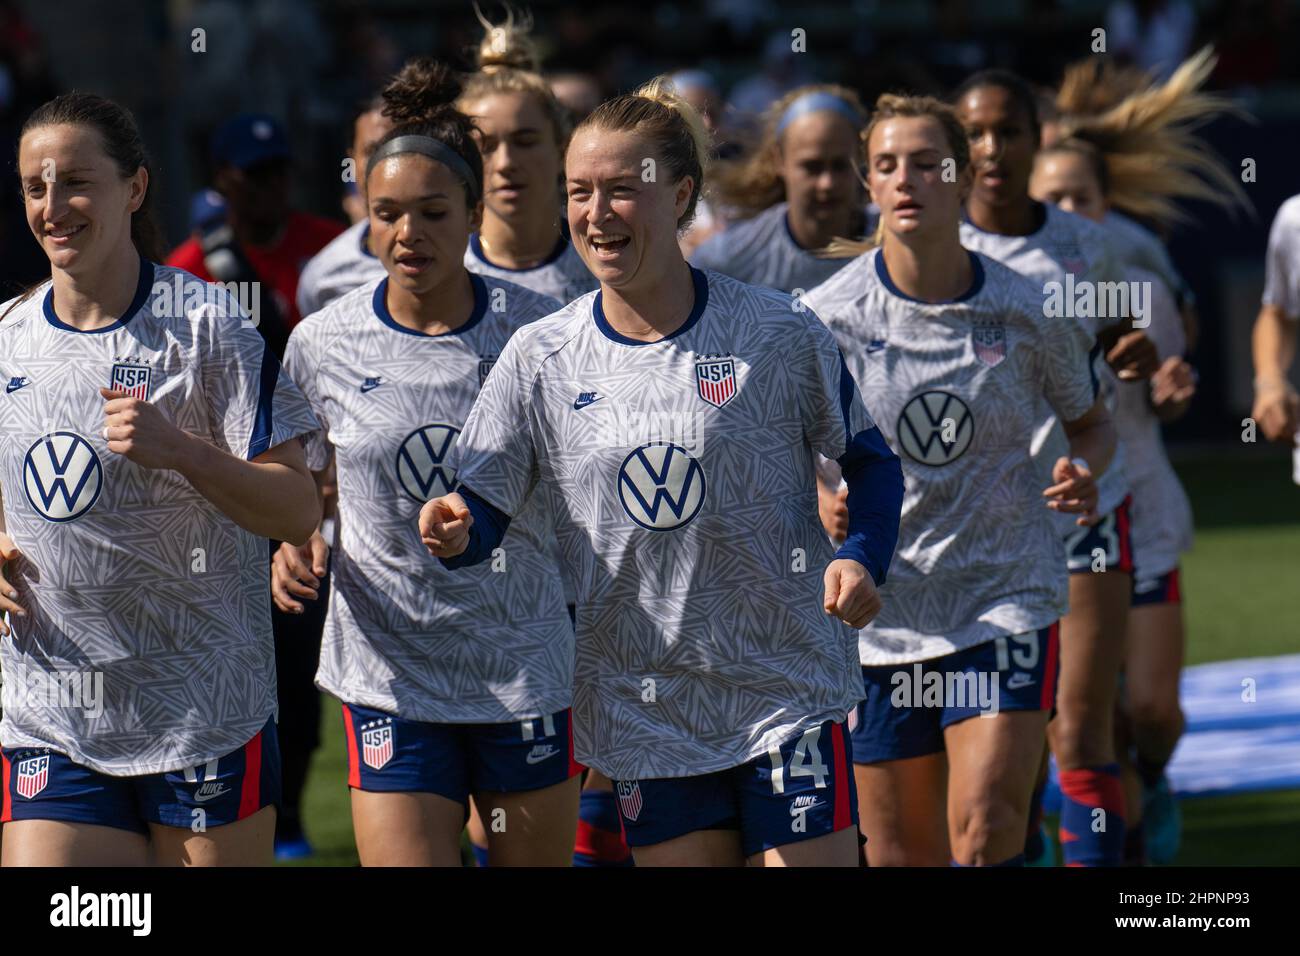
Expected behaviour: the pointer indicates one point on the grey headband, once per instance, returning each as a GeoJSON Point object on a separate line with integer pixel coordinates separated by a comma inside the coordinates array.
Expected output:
{"type": "Point", "coordinates": [428, 146]}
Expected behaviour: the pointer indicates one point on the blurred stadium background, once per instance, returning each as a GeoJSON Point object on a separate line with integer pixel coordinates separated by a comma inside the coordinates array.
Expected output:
{"type": "Point", "coordinates": [309, 63]}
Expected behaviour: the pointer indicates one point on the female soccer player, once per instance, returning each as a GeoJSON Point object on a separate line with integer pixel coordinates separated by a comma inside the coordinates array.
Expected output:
{"type": "Point", "coordinates": [801, 189]}
{"type": "Point", "coordinates": [452, 683]}
{"type": "Point", "coordinates": [960, 666]}
{"type": "Point", "coordinates": [1062, 253]}
{"type": "Point", "coordinates": [522, 131]}
{"type": "Point", "coordinates": [1106, 161]}
{"type": "Point", "coordinates": [664, 420]}
{"type": "Point", "coordinates": [148, 446]}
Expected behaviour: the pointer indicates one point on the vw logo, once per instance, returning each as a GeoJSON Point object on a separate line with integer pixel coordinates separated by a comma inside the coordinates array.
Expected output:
{"type": "Point", "coordinates": [661, 486]}
{"type": "Point", "coordinates": [935, 428]}
{"type": "Point", "coordinates": [420, 468]}
{"type": "Point", "coordinates": [62, 476]}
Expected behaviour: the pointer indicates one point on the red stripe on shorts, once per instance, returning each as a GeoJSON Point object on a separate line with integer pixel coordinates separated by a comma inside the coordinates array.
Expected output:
{"type": "Point", "coordinates": [575, 768]}
{"type": "Point", "coordinates": [1048, 700]}
{"type": "Point", "coordinates": [6, 810]}
{"type": "Point", "coordinates": [842, 818]}
{"type": "Point", "coordinates": [354, 765]}
{"type": "Point", "coordinates": [251, 793]}
{"type": "Point", "coordinates": [1174, 594]}
{"type": "Point", "coordinates": [603, 845]}
{"type": "Point", "coordinates": [1125, 542]}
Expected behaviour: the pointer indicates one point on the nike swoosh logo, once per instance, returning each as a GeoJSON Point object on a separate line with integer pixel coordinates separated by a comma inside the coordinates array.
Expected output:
{"type": "Point", "coordinates": [370, 388]}
{"type": "Point", "coordinates": [874, 347]}
{"type": "Point", "coordinates": [584, 402]}
{"type": "Point", "coordinates": [14, 388]}
{"type": "Point", "coordinates": [534, 758]}
{"type": "Point", "coordinates": [205, 797]}
{"type": "Point", "coordinates": [1014, 683]}
{"type": "Point", "coordinates": [795, 811]}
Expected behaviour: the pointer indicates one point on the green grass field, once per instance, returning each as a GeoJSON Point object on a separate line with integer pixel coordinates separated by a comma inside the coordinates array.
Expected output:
{"type": "Point", "coordinates": [1239, 585]}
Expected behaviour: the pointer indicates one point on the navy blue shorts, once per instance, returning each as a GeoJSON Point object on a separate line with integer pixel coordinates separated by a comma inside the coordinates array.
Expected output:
{"type": "Point", "coordinates": [1166, 589]}
{"type": "Point", "coordinates": [44, 784]}
{"type": "Point", "coordinates": [1112, 536]}
{"type": "Point", "coordinates": [802, 790]}
{"type": "Point", "coordinates": [906, 709]}
{"type": "Point", "coordinates": [387, 754]}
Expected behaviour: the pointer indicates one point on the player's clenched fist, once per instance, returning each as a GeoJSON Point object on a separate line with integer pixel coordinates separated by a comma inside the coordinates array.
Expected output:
{"type": "Point", "coordinates": [298, 573]}
{"type": "Point", "coordinates": [139, 432]}
{"type": "Point", "coordinates": [445, 524]}
{"type": "Point", "coordinates": [1074, 490]}
{"type": "Point", "coordinates": [850, 593]}
{"type": "Point", "coordinates": [8, 596]}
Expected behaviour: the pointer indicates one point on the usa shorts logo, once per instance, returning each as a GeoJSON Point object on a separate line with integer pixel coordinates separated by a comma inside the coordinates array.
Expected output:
{"type": "Point", "coordinates": [629, 799]}
{"type": "Point", "coordinates": [661, 486]}
{"type": "Point", "coordinates": [990, 342]}
{"type": "Point", "coordinates": [32, 776]}
{"type": "Point", "coordinates": [935, 428]}
{"type": "Point", "coordinates": [716, 381]}
{"type": "Point", "coordinates": [132, 379]}
{"type": "Point", "coordinates": [62, 476]}
{"type": "Point", "coordinates": [377, 746]}
{"type": "Point", "coordinates": [421, 468]}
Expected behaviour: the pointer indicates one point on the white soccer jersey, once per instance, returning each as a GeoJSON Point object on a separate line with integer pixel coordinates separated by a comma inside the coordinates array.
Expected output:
{"type": "Point", "coordinates": [563, 276]}
{"type": "Point", "coordinates": [1161, 514]}
{"type": "Point", "coordinates": [341, 266]}
{"type": "Point", "coordinates": [488, 644]}
{"type": "Point", "coordinates": [762, 251]}
{"type": "Point", "coordinates": [1136, 245]}
{"type": "Point", "coordinates": [1282, 268]}
{"type": "Point", "coordinates": [681, 476]}
{"type": "Point", "coordinates": [132, 580]}
{"type": "Point", "coordinates": [1066, 249]}
{"type": "Point", "coordinates": [957, 389]}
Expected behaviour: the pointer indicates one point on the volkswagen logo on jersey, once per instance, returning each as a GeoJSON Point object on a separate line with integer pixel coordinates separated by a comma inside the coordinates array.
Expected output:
{"type": "Point", "coordinates": [990, 343]}
{"type": "Point", "coordinates": [33, 774]}
{"type": "Point", "coordinates": [420, 469]}
{"type": "Point", "coordinates": [629, 798]}
{"type": "Point", "coordinates": [661, 486]}
{"type": "Point", "coordinates": [132, 379]}
{"type": "Point", "coordinates": [935, 428]}
{"type": "Point", "coordinates": [62, 476]}
{"type": "Point", "coordinates": [716, 381]}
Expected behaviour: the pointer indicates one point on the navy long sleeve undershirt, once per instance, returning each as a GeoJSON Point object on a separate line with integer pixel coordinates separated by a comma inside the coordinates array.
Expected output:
{"type": "Point", "coordinates": [485, 533]}
{"type": "Point", "coordinates": [875, 479]}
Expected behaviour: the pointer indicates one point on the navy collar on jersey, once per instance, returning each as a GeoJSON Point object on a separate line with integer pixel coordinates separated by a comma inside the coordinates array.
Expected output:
{"type": "Point", "coordinates": [142, 288]}
{"type": "Point", "coordinates": [977, 281]}
{"type": "Point", "coordinates": [476, 247]}
{"type": "Point", "coordinates": [365, 242]}
{"type": "Point", "coordinates": [1040, 220]}
{"type": "Point", "coordinates": [701, 300]}
{"type": "Point", "coordinates": [386, 317]}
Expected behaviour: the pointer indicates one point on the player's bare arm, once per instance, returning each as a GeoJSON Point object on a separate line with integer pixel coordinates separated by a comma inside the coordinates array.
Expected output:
{"type": "Point", "coordinates": [272, 496]}
{"type": "Point", "coordinates": [1277, 406]}
{"type": "Point", "coordinates": [1092, 445]}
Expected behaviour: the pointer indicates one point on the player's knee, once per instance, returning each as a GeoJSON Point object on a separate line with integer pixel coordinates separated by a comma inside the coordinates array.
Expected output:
{"type": "Point", "coordinates": [988, 821]}
{"type": "Point", "coordinates": [1081, 739]}
{"type": "Point", "coordinates": [1152, 713]}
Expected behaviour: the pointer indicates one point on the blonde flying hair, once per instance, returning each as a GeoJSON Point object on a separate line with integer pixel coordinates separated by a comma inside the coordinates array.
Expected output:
{"type": "Point", "coordinates": [660, 114]}
{"type": "Point", "coordinates": [752, 184]}
{"type": "Point", "coordinates": [508, 62]}
{"type": "Point", "coordinates": [892, 106]}
{"type": "Point", "coordinates": [1151, 152]}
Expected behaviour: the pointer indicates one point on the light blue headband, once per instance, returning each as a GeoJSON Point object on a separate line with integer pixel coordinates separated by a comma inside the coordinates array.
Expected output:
{"type": "Point", "coordinates": [815, 102]}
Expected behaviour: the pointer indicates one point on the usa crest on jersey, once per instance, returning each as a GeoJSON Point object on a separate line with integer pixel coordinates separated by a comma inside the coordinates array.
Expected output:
{"type": "Point", "coordinates": [33, 775]}
{"type": "Point", "coordinates": [377, 746]}
{"type": "Point", "coordinates": [132, 379]}
{"type": "Point", "coordinates": [990, 344]}
{"type": "Point", "coordinates": [485, 364]}
{"type": "Point", "coordinates": [629, 798]}
{"type": "Point", "coordinates": [716, 381]}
